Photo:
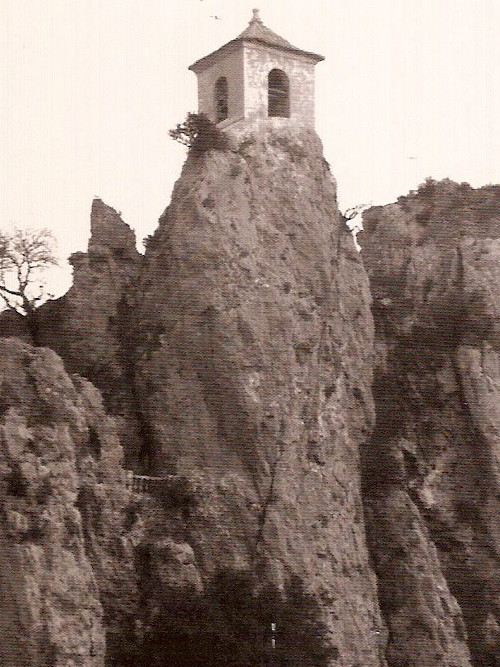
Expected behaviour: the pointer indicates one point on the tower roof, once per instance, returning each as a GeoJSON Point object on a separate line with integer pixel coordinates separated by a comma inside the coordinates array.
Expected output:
{"type": "Point", "coordinates": [257, 32]}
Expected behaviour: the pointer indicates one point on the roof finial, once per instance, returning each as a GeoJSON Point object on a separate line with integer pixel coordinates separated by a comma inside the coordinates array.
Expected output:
{"type": "Point", "coordinates": [256, 18]}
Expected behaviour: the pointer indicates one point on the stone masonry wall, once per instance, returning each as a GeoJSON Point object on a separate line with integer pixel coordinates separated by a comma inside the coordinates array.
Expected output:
{"type": "Point", "coordinates": [230, 65]}
{"type": "Point", "coordinates": [246, 69]}
{"type": "Point", "coordinates": [259, 61]}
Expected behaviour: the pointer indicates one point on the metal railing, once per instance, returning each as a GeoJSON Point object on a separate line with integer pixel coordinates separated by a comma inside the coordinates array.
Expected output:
{"type": "Point", "coordinates": [145, 483]}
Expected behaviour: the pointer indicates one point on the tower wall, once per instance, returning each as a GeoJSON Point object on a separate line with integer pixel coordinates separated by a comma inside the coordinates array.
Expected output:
{"type": "Point", "coordinates": [259, 60]}
{"type": "Point", "coordinates": [230, 65]}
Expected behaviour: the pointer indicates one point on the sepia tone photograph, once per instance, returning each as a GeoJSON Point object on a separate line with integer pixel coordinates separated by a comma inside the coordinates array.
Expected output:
{"type": "Point", "coordinates": [250, 333]}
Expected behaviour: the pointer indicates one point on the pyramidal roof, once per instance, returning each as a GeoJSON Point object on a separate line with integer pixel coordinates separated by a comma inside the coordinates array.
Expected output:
{"type": "Point", "coordinates": [256, 31]}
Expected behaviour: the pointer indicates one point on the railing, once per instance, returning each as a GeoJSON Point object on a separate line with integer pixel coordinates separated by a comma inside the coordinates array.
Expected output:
{"type": "Point", "coordinates": [145, 483]}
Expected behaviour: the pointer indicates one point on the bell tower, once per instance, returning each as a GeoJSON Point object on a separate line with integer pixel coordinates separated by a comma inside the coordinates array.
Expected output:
{"type": "Point", "coordinates": [257, 77]}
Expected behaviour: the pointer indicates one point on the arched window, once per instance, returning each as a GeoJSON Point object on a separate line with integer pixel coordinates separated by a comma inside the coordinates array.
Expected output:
{"type": "Point", "coordinates": [221, 99]}
{"type": "Point", "coordinates": [278, 94]}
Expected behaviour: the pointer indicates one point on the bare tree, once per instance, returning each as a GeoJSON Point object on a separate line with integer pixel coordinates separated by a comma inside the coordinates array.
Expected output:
{"type": "Point", "coordinates": [25, 255]}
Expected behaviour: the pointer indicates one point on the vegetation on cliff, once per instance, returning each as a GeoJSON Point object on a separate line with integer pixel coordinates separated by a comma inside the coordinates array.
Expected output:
{"type": "Point", "coordinates": [25, 256]}
{"type": "Point", "coordinates": [232, 623]}
{"type": "Point", "coordinates": [199, 134]}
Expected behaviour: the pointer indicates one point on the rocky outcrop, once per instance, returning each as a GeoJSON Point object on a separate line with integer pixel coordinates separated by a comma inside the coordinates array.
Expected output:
{"type": "Point", "coordinates": [254, 350]}
{"type": "Point", "coordinates": [235, 361]}
{"type": "Point", "coordinates": [64, 555]}
{"type": "Point", "coordinates": [431, 471]}
{"type": "Point", "coordinates": [82, 325]}
{"type": "Point", "coordinates": [90, 326]}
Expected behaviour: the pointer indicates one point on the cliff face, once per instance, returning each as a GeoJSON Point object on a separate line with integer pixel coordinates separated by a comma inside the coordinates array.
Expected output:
{"type": "Point", "coordinates": [62, 498]}
{"type": "Point", "coordinates": [431, 471]}
{"type": "Point", "coordinates": [254, 370]}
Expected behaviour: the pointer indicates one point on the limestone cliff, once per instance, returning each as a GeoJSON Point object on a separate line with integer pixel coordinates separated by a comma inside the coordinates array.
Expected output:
{"type": "Point", "coordinates": [253, 364]}
{"type": "Point", "coordinates": [62, 544]}
{"type": "Point", "coordinates": [431, 470]}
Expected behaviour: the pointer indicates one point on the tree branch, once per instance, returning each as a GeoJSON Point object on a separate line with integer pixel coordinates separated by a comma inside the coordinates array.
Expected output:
{"type": "Point", "coordinates": [9, 291]}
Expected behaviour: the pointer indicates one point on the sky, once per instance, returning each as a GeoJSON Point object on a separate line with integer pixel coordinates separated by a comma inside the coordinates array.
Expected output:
{"type": "Point", "coordinates": [409, 89]}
